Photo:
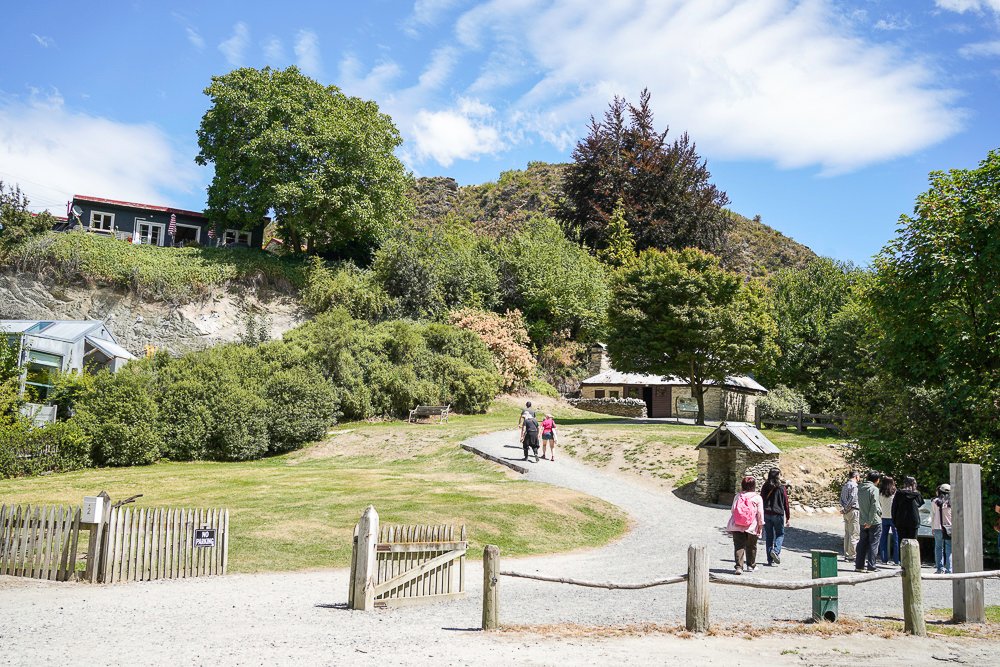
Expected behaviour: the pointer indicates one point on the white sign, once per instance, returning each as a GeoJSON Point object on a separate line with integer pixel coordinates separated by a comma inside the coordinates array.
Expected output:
{"type": "Point", "coordinates": [93, 509]}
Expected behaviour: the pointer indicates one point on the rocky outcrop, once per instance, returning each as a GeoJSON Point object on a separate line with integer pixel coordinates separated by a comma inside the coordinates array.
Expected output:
{"type": "Point", "coordinates": [221, 316]}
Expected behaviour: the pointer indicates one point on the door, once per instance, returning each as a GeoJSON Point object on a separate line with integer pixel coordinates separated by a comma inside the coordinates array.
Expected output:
{"type": "Point", "coordinates": [149, 233]}
{"type": "Point", "coordinates": [647, 396]}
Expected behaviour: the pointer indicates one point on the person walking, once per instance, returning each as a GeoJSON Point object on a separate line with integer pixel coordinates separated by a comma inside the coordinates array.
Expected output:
{"type": "Point", "coordinates": [777, 515]}
{"type": "Point", "coordinates": [549, 436]}
{"type": "Point", "coordinates": [529, 436]}
{"type": "Point", "coordinates": [870, 516]}
{"type": "Point", "coordinates": [527, 412]}
{"type": "Point", "coordinates": [849, 508]}
{"type": "Point", "coordinates": [905, 512]}
{"type": "Point", "coordinates": [941, 527]}
{"type": "Point", "coordinates": [746, 521]}
{"type": "Point", "coordinates": [888, 544]}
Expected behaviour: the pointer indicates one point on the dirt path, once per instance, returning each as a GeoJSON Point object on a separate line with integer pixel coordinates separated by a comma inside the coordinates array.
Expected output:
{"type": "Point", "coordinates": [300, 617]}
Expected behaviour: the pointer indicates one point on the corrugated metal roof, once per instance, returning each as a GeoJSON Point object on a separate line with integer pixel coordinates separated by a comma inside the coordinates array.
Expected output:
{"type": "Point", "coordinates": [616, 377]}
{"type": "Point", "coordinates": [68, 331]}
{"type": "Point", "coordinates": [746, 434]}
{"type": "Point", "coordinates": [110, 348]}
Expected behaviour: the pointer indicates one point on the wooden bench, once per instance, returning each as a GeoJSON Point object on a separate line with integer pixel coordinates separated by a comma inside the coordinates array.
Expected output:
{"type": "Point", "coordinates": [439, 411]}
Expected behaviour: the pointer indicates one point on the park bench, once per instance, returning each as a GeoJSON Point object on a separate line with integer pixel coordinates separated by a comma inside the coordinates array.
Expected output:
{"type": "Point", "coordinates": [421, 411]}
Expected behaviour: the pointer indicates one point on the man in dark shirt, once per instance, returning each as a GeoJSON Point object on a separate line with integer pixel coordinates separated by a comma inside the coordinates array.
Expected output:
{"type": "Point", "coordinates": [529, 436]}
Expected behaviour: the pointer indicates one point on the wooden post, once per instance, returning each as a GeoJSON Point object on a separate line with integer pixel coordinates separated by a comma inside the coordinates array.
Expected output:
{"type": "Point", "coordinates": [697, 589]}
{"type": "Point", "coordinates": [756, 415]}
{"type": "Point", "coordinates": [913, 600]}
{"type": "Point", "coordinates": [968, 604]}
{"type": "Point", "coordinates": [800, 426]}
{"type": "Point", "coordinates": [96, 543]}
{"type": "Point", "coordinates": [491, 585]}
{"type": "Point", "coordinates": [364, 575]}
{"type": "Point", "coordinates": [354, 568]}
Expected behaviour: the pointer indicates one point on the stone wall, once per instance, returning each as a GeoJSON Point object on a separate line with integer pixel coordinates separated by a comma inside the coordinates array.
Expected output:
{"type": "Point", "coordinates": [721, 470]}
{"type": "Point", "coordinates": [620, 407]}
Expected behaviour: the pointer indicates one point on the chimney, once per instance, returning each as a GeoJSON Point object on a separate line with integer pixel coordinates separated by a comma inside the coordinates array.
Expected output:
{"type": "Point", "coordinates": [598, 362]}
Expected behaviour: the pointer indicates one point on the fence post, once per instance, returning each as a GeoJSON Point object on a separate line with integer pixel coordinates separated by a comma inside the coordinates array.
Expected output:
{"type": "Point", "coordinates": [968, 605]}
{"type": "Point", "coordinates": [364, 575]}
{"type": "Point", "coordinates": [491, 581]}
{"type": "Point", "coordinates": [800, 426]}
{"type": "Point", "coordinates": [913, 601]}
{"type": "Point", "coordinates": [95, 545]}
{"type": "Point", "coordinates": [697, 589]}
{"type": "Point", "coordinates": [756, 415]}
{"type": "Point", "coordinates": [354, 568]}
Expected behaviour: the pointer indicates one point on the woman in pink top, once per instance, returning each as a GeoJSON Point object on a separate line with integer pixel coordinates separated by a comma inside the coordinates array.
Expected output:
{"type": "Point", "coordinates": [746, 522]}
{"type": "Point", "coordinates": [549, 436]}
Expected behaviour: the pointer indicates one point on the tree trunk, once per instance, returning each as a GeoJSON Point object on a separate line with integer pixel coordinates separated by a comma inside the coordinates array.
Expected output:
{"type": "Point", "coordinates": [698, 390]}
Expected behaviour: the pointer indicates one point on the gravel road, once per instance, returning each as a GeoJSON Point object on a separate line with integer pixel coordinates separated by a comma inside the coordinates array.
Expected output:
{"type": "Point", "coordinates": [300, 617]}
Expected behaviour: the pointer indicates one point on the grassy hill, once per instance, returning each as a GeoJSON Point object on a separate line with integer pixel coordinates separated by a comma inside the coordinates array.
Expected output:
{"type": "Point", "coordinates": [498, 208]}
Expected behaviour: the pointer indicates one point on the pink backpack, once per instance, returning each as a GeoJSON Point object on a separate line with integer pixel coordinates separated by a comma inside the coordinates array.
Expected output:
{"type": "Point", "coordinates": [745, 511]}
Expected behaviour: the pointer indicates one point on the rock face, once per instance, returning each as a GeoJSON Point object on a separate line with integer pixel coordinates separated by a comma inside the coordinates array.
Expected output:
{"type": "Point", "coordinates": [136, 322]}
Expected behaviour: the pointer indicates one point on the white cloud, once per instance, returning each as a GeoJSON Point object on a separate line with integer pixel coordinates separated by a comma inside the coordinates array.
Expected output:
{"type": "Point", "coordinates": [274, 51]}
{"type": "Point", "coordinates": [980, 49]}
{"type": "Point", "coordinates": [307, 53]}
{"type": "Point", "coordinates": [43, 41]}
{"type": "Point", "coordinates": [371, 84]}
{"type": "Point", "coordinates": [462, 133]}
{"type": "Point", "coordinates": [962, 6]}
{"type": "Point", "coordinates": [235, 48]}
{"type": "Point", "coordinates": [427, 12]}
{"type": "Point", "coordinates": [892, 23]}
{"type": "Point", "coordinates": [779, 80]}
{"type": "Point", "coordinates": [55, 152]}
{"type": "Point", "coordinates": [196, 40]}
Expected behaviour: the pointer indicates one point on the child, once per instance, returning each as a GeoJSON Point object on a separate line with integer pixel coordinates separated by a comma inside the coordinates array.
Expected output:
{"type": "Point", "coordinates": [549, 436]}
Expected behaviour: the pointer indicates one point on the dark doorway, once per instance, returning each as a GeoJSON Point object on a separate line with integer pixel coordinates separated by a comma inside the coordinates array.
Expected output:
{"type": "Point", "coordinates": [647, 396]}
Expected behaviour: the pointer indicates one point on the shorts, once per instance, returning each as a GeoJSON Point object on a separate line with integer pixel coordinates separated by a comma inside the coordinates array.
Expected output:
{"type": "Point", "coordinates": [548, 436]}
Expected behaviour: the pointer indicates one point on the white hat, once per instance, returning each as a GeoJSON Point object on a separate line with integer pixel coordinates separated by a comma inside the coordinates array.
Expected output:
{"type": "Point", "coordinates": [944, 488]}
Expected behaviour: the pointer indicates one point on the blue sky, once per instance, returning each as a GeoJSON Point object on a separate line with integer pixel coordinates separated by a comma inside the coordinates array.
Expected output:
{"type": "Point", "coordinates": [823, 117]}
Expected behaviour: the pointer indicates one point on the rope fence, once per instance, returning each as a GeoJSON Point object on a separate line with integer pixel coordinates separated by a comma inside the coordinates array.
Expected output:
{"type": "Point", "coordinates": [698, 578]}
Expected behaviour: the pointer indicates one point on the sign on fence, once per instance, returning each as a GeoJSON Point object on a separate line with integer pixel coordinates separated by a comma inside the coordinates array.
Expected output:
{"type": "Point", "coordinates": [204, 537]}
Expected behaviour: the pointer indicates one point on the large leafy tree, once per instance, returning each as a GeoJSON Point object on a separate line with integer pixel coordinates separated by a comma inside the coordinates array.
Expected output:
{"type": "Point", "coordinates": [17, 222]}
{"type": "Point", "coordinates": [321, 161]}
{"type": "Point", "coordinates": [664, 186]}
{"type": "Point", "coordinates": [680, 313]}
{"type": "Point", "coordinates": [934, 395]}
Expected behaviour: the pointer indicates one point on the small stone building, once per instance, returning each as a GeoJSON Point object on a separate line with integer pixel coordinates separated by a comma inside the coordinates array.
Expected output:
{"type": "Point", "coordinates": [729, 453]}
{"type": "Point", "coordinates": [670, 396]}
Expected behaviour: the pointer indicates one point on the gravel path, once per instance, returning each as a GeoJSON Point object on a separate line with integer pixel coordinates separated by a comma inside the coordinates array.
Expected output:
{"type": "Point", "coordinates": [300, 617]}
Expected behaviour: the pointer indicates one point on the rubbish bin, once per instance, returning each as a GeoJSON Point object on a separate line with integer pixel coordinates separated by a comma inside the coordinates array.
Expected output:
{"type": "Point", "coordinates": [825, 598]}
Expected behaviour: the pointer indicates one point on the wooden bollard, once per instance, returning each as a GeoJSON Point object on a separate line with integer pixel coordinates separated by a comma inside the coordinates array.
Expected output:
{"type": "Point", "coordinates": [697, 589]}
{"type": "Point", "coordinates": [491, 581]}
{"type": "Point", "coordinates": [913, 599]}
{"type": "Point", "coordinates": [364, 570]}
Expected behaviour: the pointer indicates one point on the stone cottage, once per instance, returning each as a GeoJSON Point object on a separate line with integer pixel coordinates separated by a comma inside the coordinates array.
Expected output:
{"type": "Point", "coordinates": [729, 453]}
{"type": "Point", "coordinates": [670, 396]}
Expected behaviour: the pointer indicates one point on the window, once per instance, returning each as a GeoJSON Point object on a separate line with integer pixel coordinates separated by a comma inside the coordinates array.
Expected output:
{"type": "Point", "coordinates": [598, 393]}
{"type": "Point", "coordinates": [187, 234]}
{"type": "Point", "coordinates": [148, 233]}
{"type": "Point", "coordinates": [41, 368]}
{"type": "Point", "coordinates": [632, 392]}
{"type": "Point", "coordinates": [613, 394]}
{"type": "Point", "coordinates": [102, 222]}
{"type": "Point", "coordinates": [236, 236]}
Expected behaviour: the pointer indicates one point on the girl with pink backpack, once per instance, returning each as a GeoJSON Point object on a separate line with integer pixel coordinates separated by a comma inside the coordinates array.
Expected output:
{"type": "Point", "coordinates": [746, 522]}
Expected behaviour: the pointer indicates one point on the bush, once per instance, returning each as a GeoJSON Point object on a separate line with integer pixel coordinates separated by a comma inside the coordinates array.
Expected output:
{"type": "Point", "coordinates": [346, 286]}
{"type": "Point", "coordinates": [781, 399]}
{"type": "Point", "coordinates": [507, 339]}
{"type": "Point", "coordinates": [119, 416]}
{"type": "Point", "coordinates": [301, 407]}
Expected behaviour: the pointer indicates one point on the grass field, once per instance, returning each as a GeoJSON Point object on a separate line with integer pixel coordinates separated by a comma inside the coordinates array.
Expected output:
{"type": "Point", "coordinates": [297, 511]}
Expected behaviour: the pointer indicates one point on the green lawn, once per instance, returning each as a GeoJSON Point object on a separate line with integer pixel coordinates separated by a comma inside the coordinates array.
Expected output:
{"type": "Point", "coordinates": [297, 511]}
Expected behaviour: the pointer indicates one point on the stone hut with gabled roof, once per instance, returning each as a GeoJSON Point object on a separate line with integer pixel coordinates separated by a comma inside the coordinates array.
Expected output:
{"type": "Point", "coordinates": [729, 453]}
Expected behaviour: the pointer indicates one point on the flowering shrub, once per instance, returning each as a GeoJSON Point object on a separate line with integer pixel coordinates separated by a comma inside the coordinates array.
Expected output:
{"type": "Point", "coordinates": [507, 339]}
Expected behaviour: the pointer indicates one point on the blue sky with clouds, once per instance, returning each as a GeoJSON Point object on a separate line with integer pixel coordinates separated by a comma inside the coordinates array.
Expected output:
{"type": "Point", "coordinates": [823, 117]}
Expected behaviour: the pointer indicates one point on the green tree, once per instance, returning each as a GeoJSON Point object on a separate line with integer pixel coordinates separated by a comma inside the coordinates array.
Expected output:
{"type": "Point", "coordinates": [679, 313]}
{"type": "Point", "coordinates": [17, 222]}
{"type": "Point", "coordinates": [664, 186]}
{"type": "Point", "coordinates": [620, 248]}
{"type": "Point", "coordinates": [323, 162]}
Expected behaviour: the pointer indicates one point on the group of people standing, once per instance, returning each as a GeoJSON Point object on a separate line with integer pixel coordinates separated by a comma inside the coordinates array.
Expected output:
{"type": "Point", "coordinates": [877, 516]}
{"type": "Point", "coordinates": [754, 514]}
{"type": "Point", "coordinates": [530, 431]}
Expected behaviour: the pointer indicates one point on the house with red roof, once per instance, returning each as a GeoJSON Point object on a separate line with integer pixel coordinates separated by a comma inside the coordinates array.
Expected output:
{"type": "Point", "coordinates": [152, 224]}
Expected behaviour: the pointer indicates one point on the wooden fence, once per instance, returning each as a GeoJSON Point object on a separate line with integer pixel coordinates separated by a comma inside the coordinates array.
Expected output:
{"type": "Point", "coordinates": [143, 544]}
{"type": "Point", "coordinates": [393, 566]}
{"type": "Point", "coordinates": [39, 542]}
{"type": "Point", "coordinates": [800, 420]}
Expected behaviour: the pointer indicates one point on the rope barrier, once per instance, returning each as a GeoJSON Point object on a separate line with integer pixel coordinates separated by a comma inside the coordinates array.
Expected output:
{"type": "Point", "coordinates": [801, 584]}
{"type": "Point", "coordinates": [595, 584]}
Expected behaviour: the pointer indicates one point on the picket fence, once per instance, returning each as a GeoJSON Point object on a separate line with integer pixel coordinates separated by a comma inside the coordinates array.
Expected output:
{"type": "Point", "coordinates": [144, 544]}
{"type": "Point", "coordinates": [39, 542]}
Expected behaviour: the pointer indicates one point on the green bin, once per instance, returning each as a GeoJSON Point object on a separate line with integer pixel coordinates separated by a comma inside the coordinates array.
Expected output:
{"type": "Point", "coordinates": [825, 598]}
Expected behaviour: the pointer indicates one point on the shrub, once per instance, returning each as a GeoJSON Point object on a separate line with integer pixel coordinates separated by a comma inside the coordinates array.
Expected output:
{"type": "Point", "coordinates": [119, 416]}
{"type": "Point", "coordinates": [346, 286]}
{"type": "Point", "coordinates": [302, 405]}
{"type": "Point", "coordinates": [507, 339]}
{"type": "Point", "coordinates": [781, 399]}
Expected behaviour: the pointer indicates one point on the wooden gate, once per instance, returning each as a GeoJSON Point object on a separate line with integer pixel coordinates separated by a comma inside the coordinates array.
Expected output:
{"type": "Point", "coordinates": [407, 564]}
{"type": "Point", "coordinates": [143, 544]}
{"type": "Point", "coordinates": [39, 542]}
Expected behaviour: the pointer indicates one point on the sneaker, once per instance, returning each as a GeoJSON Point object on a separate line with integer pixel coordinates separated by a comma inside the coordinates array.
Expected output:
{"type": "Point", "coordinates": [751, 568]}
{"type": "Point", "coordinates": [938, 571]}
{"type": "Point", "coordinates": [859, 569]}
{"type": "Point", "coordinates": [737, 571]}
{"type": "Point", "coordinates": [872, 569]}
{"type": "Point", "coordinates": [775, 557]}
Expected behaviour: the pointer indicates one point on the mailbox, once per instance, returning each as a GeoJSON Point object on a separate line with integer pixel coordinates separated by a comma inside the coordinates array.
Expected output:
{"type": "Point", "coordinates": [93, 509]}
